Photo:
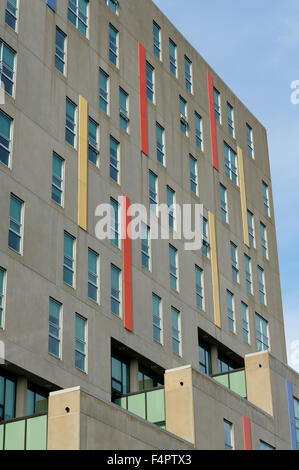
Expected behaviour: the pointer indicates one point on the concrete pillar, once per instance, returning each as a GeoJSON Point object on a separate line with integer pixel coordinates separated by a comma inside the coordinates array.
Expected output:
{"type": "Point", "coordinates": [214, 359]}
{"type": "Point", "coordinates": [21, 397]}
{"type": "Point", "coordinates": [134, 386]}
{"type": "Point", "coordinates": [258, 381]}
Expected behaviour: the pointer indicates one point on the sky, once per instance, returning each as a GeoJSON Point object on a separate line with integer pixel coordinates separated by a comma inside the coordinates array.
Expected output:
{"type": "Point", "coordinates": [254, 47]}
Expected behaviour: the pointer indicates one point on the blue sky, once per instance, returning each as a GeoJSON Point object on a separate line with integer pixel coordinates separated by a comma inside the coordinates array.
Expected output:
{"type": "Point", "coordinates": [254, 48]}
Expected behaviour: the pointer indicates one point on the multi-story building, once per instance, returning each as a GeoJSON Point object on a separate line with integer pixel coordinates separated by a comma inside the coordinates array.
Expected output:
{"type": "Point", "coordinates": [140, 344]}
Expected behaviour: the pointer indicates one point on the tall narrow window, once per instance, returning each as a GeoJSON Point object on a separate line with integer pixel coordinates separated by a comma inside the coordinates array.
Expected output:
{"type": "Point", "coordinates": [157, 40]}
{"type": "Point", "coordinates": [228, 435]}
{"type": "Point", "coordinates": [145, 247]}
{"type": "Point", "coordinates": [160, 144]}
{"type": "Point", "coordinates": [173, 57]}
{"type": "Point", "coordinates": [261, 280]}
{"type": "Point", "coordinates": [199, 287]}
{"type": "Point", "coordinates": [93, 145]}
{"type": "Point", "coordinates": [123, 110]}
{"type": "Point", "coordinates": [204, 356]}
{"type": "Point", "coordinates": [230, 311]}
{"type": "Point", "coordinates": [54, 342]}
{"type": "Point", "coordinates": [198, 130]}
{"type": "Point", "coordinates": [266, 199]}
{"type": "Point", "coordinates": [113, 4]}
{"type": "Point", "coordinates": [176, 331]}
{"type": "Point", "coordinates": [183, 116]}
{"type": "Point", "coordinates": [2, 295]}
{"type": "Point", "coordinates": [113, 45]}
{"type": "Point", "coordinates": [5, 138]}
{"type": "Point", "coordinates": [11, 13]}
{"type": "Point", "coordinates": [93, 262]}
{"type": "Point", "coordinates": [80, 342]}
{"type": "Point", "coordinates": [104, 93]}
{"type": "Point", "coordinates": [205, 237]}
{"type": "Point", "coordinates": [262, 337]}
{"type": "Point", "coordinates": [115, 290]}
{"type": "Point", "coordinates": [150, 88]}
{"type": "Point", "coordinates": [173, 267]}
{"type": "Point", "coordinates": [230, 120]}
{"type": "Point", "coordinates": [171, 206]}
{"type": "Point", "coordinates": [263, 230]}
{"type": "Point", "coordinates": [296, 412]}
{"type": "Point", "coordinates": [7, 67]}
{"type": "Point", "coordinates": [114, 221]}
{"type": "Point", "coordinates": [193, 174]}
{"type": "Point", "coordinates": [69, 260]}
{"type": "Point", "coordinates": [223, 203]}
{"type": "Point", "coordinates": [114, 159]}
{"type": "Point", "coordinates": [231, 169]}
{"type": "Point", "coordinates": [120, 377]}
{"type": "Point", "coordinates": [188, 74]}
{"type": "Point", "coordinates": [251, 228]}
{"type": "Point", "coordinates": [70, 123]}
{"type": "Point", "coordinates": [8, 398]}
{"type": "Point", "coordinates": [217, 106]}
{"type": "Point", "coordinates": [15, 233]}
{"type": "Point", "coordinates": [78, 15]}
{"type": "Point", "coordinates": [249, 141]}
{"type": "Point", "coordinates": [60, 50]}
{"type": "Point", "coordinates": [57, 179]}
{"type": "Point", "coordinates": [234, 258]}
{"type": "Point", "coordinates": [157, 320]}
{"type": "Point", "coordinates": [153, 191]}
{"type": "Point", "coordinates": [245, 322]}
{"type": "Point", "coordinates": [248, 273]}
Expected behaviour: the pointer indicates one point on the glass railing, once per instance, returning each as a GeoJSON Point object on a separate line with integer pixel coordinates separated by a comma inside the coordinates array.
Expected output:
{"type": "Point", "coordinates": [28, 433]}
{"type": "Point", "coordinates": [148, 404]}
{"type": "Point", "coordinates": [235, 380]}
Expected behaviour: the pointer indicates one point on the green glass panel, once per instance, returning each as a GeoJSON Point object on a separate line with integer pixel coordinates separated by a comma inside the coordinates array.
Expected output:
{"type": "Point", "coordinates": [122, 402]}
{"type": "Point", "coordinates": [238, 383]}
{"type": "Point", "coordinates": [1, 436]}
{"type": "Point", "coordinates": [156, 406]}
{"type": "Point", "coordinates": [15, 436]}
{"type": "Point", "coordinates": [222, 379]}
{"type": "Point", "coordinates": [36, 438]}
{"type": "Point", "coordinates": [136, 405]}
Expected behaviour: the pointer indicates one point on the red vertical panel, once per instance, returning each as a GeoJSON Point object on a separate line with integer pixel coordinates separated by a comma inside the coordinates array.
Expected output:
{"type": "Point", "coordinates": [212, 121]}
{"type": "Point", "coordinates": [246, 433]}
{"type": "Point", "coordinates": [127, 274]}
{"type": "Point", "coordinates": [142, 100]}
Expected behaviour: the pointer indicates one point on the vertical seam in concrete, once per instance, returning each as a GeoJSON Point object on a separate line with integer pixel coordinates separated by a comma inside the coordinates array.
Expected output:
{"type": "Point", "coordinates": [82, 163]}
{"type": "Point", "coordinates": [142, 99]}
{"type": "Point", "coordinates": [289, 387]}
{"type": "Point", "coordinates": [127, 274]}
{"type": "Point", "coordinates": [212, 121]}
{"type": "Point", "coordinates": [243, 196]}
{"type": "Point", "coordinates": [246, 433]}
{"type": "Point", "coordinates": [214, 265]}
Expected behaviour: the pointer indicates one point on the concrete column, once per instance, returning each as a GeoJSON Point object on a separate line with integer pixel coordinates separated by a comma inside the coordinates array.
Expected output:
{"type": "Point", "coordinates": [214, 359]}
{"type": "Point", "coordinates": [134, 386]}
{"type": "Point", "coordinates": [21, 397]}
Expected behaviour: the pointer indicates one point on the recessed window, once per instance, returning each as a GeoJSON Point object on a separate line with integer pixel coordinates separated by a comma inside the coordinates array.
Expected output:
{"type": "Point", "coordinates": [230, 311]}
{"type": "Point", "coordinates": [157, 40]}
{"type": "Point", "coordinates": [188, 74]}
{"type": "Point", "coordinates": [57, 179]}
{"type": "Point", "coordinates": [78, 15]}
{"type": "Point", "coordinates": [234, 259]}
{"type": "Point", "coordinates": [104, 93]}
{"type": "Point", "coordinates": [176, 331]}
{"type": "Point", "coordinates": [145, 247]}
{"type": "Point", "coordinates": [123, 110]}
{"type": "Point", "coordinates": [7, 67]}
{"type": "Point", "coordinates": [265, 446]}
{"type": "Point", "coordinates": [114, 221]}
{"type": "Point", "coordinates": [249, 141]}
{"type": "Point", "coordinates": [245, 322]}
{"type": "Point", "coordinates": [93, 278]}
{"type": "Point", "coordinates": [173, 267]}
{"type": "Point", "coordinates": [173, 57]}
{"type": "Point", "coordinates": [8, 398]}
{"type": "Point", "coordinates": [70, 123]}
{"type": "Point", "coordinates": [205, 237]}
{"type": "Point", "coordinates": [228, 435]}
{"type": "Point", "coordinates": [113, 45]}
{"type": "Point", "coordinates": [217, 106]}
{"type": "Point", "coordinates": [15, 233]}
{"type": "Point", "coordinates": [261, 280]}
{"type": "Point", "coordinates": [69, 259]}
{"type": "Point", "coordinates": [80, 342]}
{"type": "Point", "coordinates": [54, 343]}
{"type": "Point", "coordinates": [93, 145]}
{"type": "Point", "coordinates": [204, 356]}
{"type": "Point", "coordinates": [199, 288]}
{"type": "Point", "coordinates": [11, 13]}
{"type": "Point", "coordinates": [198, 131]}
{"type": "Point", "coordinates": [230, 120]}
{"type": "Point", "coordinates": [113, 4]}
{"type": "Point", "coordinates": [223, 203]}
{"type": "Point", "coordinates": [231, 169]}
{"type": "Point", "coordinates": [60, 55]}
{"type": "Point", "coordinates": [262, 336]}
{"type": "Point", "coordinates": [183, 116]}
{"type": "Point", "coordinates": [157, 318]}
{"type": "Point", "coordinates": [150, 87]}
{"type": "Point", "coordinates": [2, 295]}
{"type": "Point", "coordinates": [120, 377]}
{"type": "Point", "coordinates": [5, 138]}
{"type": "Point", "coordinates": [115, 291]}
{"type": "Point", "coordinates": [251, 230]}
{"type": "Point", "coordinates": [248, 273]}
{"type": "Point", "coordinates": [171, 206]}
{"type": "Point", "coordinates": [114, 159]}
{"type": "Point", "coordinates": [264, 241]}
{"type": "Point", "coordinates": [266, 199]}
{"type": "Point", "coordinates": [193, 174]}
{"type": "Point", "coordinates": [160, 135]}
{"type": "Point", "coordinates": [37, 401]}
{"type": "Point", "coordinates": [153, 191]}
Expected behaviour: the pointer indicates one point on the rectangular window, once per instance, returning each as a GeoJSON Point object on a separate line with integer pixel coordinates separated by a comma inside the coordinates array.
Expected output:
{"type": "Point", "coordinates": [245, 322]}
{"type": "Point", "coordinates": [120, 377]}
{"type": "Point", "coordinates": [193, 174]}
{"type": "Point", "coordinates": [153, 192]}
{"type": "Point", "coordinates": [7, 67]}
{"type": "Point", "coordinates": [113, 45]}
{"type": "Point", "coordinates": [57, 179]}
{"type": "Point", "coordinates": [115, 290]}
{"type": "Point", "coordinates": [231, 169]}
{"type": "Point", "coordinates": [104, 93]}
{"type": "Point", "coordinates": [205, 237]}
{"type": "Point", "coordinates": [157, 320]}
{"type": "Point", "coordinates": [183, 116]}
{"type": "Point", "coordinates": [223, 203]}
{"type": "Point", "coordinates": [80, 343]}
{"type": "Point", "coordinates": [217, 106]}
{"type": "Point", "coordinates": [296, 413]}
{"type": "Point", "coordinates": [7, 398]}
{"type": "Point", "coordinates": [173, 267]}
{"type": "Point", "coordinates": [114, 221]}
{"type": "Point", "coordinates": [145, 247]}
{"type": "Point", "coordinates": [250, 219]}
{"type": "Point", "coordinates": [2, 295]}
{"type": "Point", "coordinates": [230, 120]}
{"type": "Point", "coordinates": [93, 145]}
{"type": "Point", "coordinates": [78, 15]}
{"type": "Point", "coordinates": [157, 40]}
{"type": "Point", "coordinates": [150, 87]}
{"type": "Point", "coordinates": [265, 446]}
{"type": "Point", "coordinates": [199, 287]}
{"type": "Point", "coordinates": [171, 206]}
{"type": "Point", "coordinates": [228, 435]}
{"type": "Point", "coordinates": [234, 258]}
{"type": "Point", "coordinates": [15, 233]}
{"type": "Point", "coordinates": [160, 134]}
{"type": "Point", "coordinates": [54, 345]}
{"type": "Point", "coordinates": [188, 74]}
{"type": "Point", "coordinates": [123, 110]}
{"type": "Point", "coordinates": [69, 260]}
{"type": "Point", "coordinates": [5, 138]}
{"type": "Point", "coordinates": [249, 141]}
{"type": "Point", "coordinates": [176, 331]}
{"type": "Point", "coordinates": [261, 280]}
{"type": "Point", "coordinates": [266, 199]}
{"type": "Point", "coordinates": [264, 240]}
{"type": "Point", "coordinates": [248, 273]}
{"type": "Point", "coordinates": [93, 262]}
{"type": "Point", "coordinates": [204, 356]}
{"type": "Point", "coordinates": [37, 401]}
{"type": "Point", "coordinates": [60, 50]}
{"type": "Point", "coordinates": [230, 311]}
{"type": "Point", "coordinates": [11, 13]}
{"type": "Point", "coordinates": [70, 123]}
{"type": "Point", "coordinates": [114, 159]}
{"type": "Point", "coordinates": [172, 57]}
{"type": "Point", "coordinates": [262, 337]}
{"type": "Point", "coordinates": [198, 130]}
{"type": "Point", "coordinates": [113, 4]}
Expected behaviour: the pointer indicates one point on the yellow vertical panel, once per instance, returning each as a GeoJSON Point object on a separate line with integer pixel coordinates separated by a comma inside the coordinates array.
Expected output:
{"type": "Point", "coordinates": [82, 163]}
{"type": "Point", "coordinates": [243, 196]}
{"type": "Point", "coordinates": [214, 265]}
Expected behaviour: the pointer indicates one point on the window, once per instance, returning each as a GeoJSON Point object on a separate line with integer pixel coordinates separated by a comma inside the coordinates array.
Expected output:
{"type": "Point", "coordinates": [176, 331]}
{"type": "Point", "coordinates": [234, 258]}
{"type": "Point", "coordinates": [157, 321]}
{"type": "Point", "coordinates": [205, 237]}
{"type": "Point", "coordinates": [147, 380]}
{"type": "Point", "coordinates": [60, 51]}
{"type": "Point", "coordinates": [54, 328]}
{"type": "Point", "coordinates": [120, 377]}
{"type": "Point", "coordinates": [150, 88]}
{"type": "Point", "coordinates": [266, 199]}
{"type": "Point", "coordinates": [173, 267]}
{"type": "Point", "coordinates": [199, 287]}
{"type": "Point", "coordinates": [57, 179]}
{"type": "Point", "coordinates": [15, 233]}
{"type": "Point", "coordinates": [157, 40]}
{"type": "Point", "coordinates": [5, 138]}
{"type": "Point", "coordinates": [113, 45]}
{"type": "Point", "coordinates": [183, 115]}
{"type": "Point", "coordinates": [113, 4]}
{"type": "Point", "coordinates": [145, 246]}
{"type": "Point", "coordinates": [123, 110]}
{"type": "Point", "coordinates": [37, 401]}
{"type": "Point", "coordinates": [171, 206]}
{"type": "Point", "coordinates": [80, 343]}
{"type": "Point", "coordinates": [217, 107]}
{"type": "Point", "coordinates": [264, 240]}
{"type": "Point", "coordinates": [230, 311]}
{"type": "Point", "coordinates": [193, 174]}
{"type": "Point", "coordinates": [249, 141]}
{"type": "Point", "coordinates": [224, 364]}
{"type": "Point", "coordinates": [2, 295]}
{"type": "Point", "coordinates": [153, 192]}
{"type": "Point", "coordinates": [204, 356]}
{"type": "Point", "coordinates": [265, 446]}
{"type": "Point", "coordinates": [245, 323]}
{"type": "Point", "coordinates": [248, 273]}
{"type": "Point", "coordinates": [93, 146]}
{"type": "Point", "coordinates": [7, 398]}
{"type": "Point", "coordinates": [77, 15]}
{"type": "Point", "coordinates": [230, 120]}
{"type": "Point", "coordinates": [7, 66]}
{"type": "Point", "coordinates": [104, 94]}
{"type": "Point", "coordinates": [188, 74]}
{"type": "Point", "coordinates": [114, 159]}
{"type": "Point", "coordinates": [228, 435]}
{"type": "Point", "coordinates": [223, 203]}
{"type": "Point", "coordinates": [93, 261]}
{"type": "Point", "coordinates": [231, 170]}
{"type": "Point", "coordinates": [69, 259]}
{"type": "Point", "coordinates": [115, 290]}
{"type": "Point", "coordinates": [251, 228]}
{"type": "Point", "coordinates": [11, 13]}
{"type": "Point", "coordinates": [70, 123]}
{"type": "Point", "coordinates": [198, 130]}
{"type": "Point", "coordinates": [296, 412]}
{"type": "Point", "coordinates": [114, 220]}
{"type": "Point", "coordinates": [262, 338]}
{"type": "Point", "coordinates": [160, 144]}
{"type": "Point", "coordinates": [172, 57]}
{"type": "Point", "coordinates": [261, 280]}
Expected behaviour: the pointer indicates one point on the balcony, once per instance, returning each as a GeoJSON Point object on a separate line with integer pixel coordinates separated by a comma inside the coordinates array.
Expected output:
{"type": "Point", "coordinates": [28, 433]}
{"type": "Point", "coordinates": [234, 380]}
